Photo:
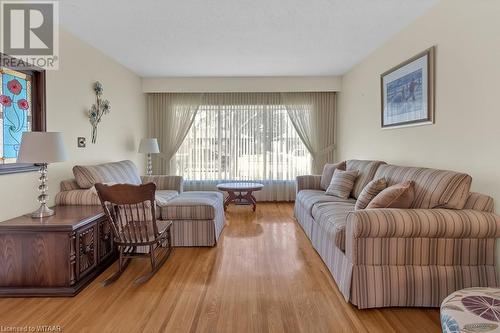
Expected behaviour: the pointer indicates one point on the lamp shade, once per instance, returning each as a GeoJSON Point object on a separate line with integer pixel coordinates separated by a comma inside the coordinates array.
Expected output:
{"type": "Point", "coordinates": [42, 147]}
{"type": "Point", "coordinates": [149, 146]}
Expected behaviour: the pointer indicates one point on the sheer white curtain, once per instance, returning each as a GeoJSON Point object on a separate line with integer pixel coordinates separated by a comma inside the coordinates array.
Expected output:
{"type": "Point", "coordinates": [313, 116]}
{"type": "Point", "coordinates": [266, 137]}
{"type": "Point", "coordinates": [170, 117]}
{"type": "Point", "coordinates": [243, 136]}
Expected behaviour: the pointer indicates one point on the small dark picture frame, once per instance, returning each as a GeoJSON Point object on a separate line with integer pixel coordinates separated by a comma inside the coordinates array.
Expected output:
{"type": "Point", "coordinates": [408, 90]}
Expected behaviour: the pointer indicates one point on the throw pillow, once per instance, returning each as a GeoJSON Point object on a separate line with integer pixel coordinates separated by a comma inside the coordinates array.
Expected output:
{"type": "Point", "coordinates": [94, 190]}
{"type": "Point", "coordinates": [395, 196]}
{"type": "Point", "coordinates": [328, 170]}
{"type": "Point", "coordinates": [369, 192]}
{"type": "Point", "coordinates": [117, 172]}
{"type": "Point", "coordinates": [342, 183]}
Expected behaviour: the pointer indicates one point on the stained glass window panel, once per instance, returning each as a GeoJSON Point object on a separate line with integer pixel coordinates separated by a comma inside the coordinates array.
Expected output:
{"type": "Point", "coordinates": [15, 112]}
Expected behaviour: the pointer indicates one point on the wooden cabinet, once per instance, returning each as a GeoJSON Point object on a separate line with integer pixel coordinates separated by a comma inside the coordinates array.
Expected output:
{"type": "Point", "coordinates": [54, 256]}
{"type": "Point", "coordinates": [105, 238]}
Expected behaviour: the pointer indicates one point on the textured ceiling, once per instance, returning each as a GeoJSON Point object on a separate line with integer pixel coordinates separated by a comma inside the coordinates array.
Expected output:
{"type": "Point", "coordinates": [238, 37]}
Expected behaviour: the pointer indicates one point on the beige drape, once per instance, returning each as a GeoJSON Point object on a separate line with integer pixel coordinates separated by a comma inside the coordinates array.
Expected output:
{"type": "Point", "coordinates": [170, 116]}
{"type": "Point", "coordinates": [313, 116]}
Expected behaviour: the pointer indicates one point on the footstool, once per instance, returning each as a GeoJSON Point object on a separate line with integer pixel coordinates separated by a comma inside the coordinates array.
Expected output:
{"type": "Point", "coordinates": [197, 218]}
{"type": "Point", "coordinates": [471, 310]}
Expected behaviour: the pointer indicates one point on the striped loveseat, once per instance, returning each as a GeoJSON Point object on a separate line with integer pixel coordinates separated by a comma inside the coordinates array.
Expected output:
{"type": "Point", "coordinates": [197, 217]}
{"type": "Point", "coordinates": [402, 257]}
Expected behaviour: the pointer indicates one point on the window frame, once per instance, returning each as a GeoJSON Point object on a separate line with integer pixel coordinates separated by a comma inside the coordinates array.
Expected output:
{"type": "Point", "coordinates": [38, 109]}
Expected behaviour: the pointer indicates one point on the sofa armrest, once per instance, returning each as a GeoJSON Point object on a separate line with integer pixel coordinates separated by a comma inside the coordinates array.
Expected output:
{"type": "Point", "coordinates": [428, 223]}
{"type": "Point", "coordinates": [308, 182]}
{"type": "Point", "coordinates": [173, 183]}
{"type": "Point", "coordinates": [421, 237]}
{"type": "Point", "coordinates": [81, 197]}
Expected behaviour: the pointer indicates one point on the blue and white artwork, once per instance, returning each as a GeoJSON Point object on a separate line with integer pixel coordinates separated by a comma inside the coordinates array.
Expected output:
{"type": "Point", "coordinates": [405, 94]}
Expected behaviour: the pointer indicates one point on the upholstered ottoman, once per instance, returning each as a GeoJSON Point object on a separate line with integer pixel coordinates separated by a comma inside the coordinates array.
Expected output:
{"type": "Point", "coordinates": [197, 218]}
{"type": "Point", "coordinates": [471, 310]}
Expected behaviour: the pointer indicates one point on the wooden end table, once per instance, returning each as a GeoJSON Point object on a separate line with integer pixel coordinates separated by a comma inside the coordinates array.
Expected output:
{"type": "Point", "coordinates": [56, 255]}
{"type": "Point", "coordinates": [244, 196]}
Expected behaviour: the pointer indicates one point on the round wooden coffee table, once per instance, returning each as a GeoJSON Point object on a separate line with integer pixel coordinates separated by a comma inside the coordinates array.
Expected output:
{"type": "Point", "coordinates": [244, 196]}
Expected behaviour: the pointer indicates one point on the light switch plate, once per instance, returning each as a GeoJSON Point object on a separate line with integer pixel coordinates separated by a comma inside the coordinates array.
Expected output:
{"type": "Point", "coordinates": [82, 142]}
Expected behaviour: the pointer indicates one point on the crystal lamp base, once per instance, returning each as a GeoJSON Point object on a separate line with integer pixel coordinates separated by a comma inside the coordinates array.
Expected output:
{"type": "Point", "coordinates": [43, 211]}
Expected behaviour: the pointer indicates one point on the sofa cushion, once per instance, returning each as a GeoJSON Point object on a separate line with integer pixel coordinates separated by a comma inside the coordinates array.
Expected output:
{"type": "Point", "coordinates": [331, 218]}
{"type": "Point", "coordinates": [395, 196]}
{"type": "Point", "coordinates": [342, 183]}
{"type": "Point", "coordinates": [85, 197]}
{"type": "Point", "coordinates": [366, 172]}
{"type": "Point", "coordinates": [433, 188]}
{"type": "Point", "coordinates": [193, 205]}
{"type": "Point", "coordinates": [328, 170]}
{"type": "Point", "coordinates": [369, 192]}
{"type": "Point", "coordinates": [162, 197]}
{"type": "Point", "coordinates": [308, 198]}
{"type": "Point", "coordinates": [124, 172]}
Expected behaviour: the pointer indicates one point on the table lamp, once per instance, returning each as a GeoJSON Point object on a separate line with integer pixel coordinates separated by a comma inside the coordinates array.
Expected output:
{"type": "Point", "coordinates": [42, 148]}
{"type": "Point", "coordinates": [149, 146]}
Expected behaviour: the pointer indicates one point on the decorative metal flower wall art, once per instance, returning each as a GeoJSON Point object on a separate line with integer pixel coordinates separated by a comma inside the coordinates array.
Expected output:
{"type": "Point", "coordinates": [100, 108]}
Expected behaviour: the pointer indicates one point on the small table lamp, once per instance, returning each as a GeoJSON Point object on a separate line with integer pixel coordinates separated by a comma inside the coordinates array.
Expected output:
{"type": "Point", "coordinates": [42, 148]}
{"type": "Point", "coordinates": [149, 146]}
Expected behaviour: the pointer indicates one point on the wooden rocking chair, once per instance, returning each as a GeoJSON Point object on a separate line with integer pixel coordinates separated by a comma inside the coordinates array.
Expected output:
{"type": "Point", "coordinates": [131, 212]}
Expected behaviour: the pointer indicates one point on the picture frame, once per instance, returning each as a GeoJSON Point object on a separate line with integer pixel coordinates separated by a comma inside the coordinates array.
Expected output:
{"type": "Point", "coordinates": [408, 92]}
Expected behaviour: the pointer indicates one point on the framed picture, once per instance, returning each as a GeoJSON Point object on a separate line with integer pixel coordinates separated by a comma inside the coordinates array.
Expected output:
{"type": "Point", "coordinates": [408, 92]}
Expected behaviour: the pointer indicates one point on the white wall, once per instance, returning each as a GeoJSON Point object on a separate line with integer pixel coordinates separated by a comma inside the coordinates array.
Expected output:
{"type": "Point", "coordinates": [466, 134]}
{"type": "Point", "coordinates": [241, 84]}
{"type": "Point", "coordinates": [69, 95]}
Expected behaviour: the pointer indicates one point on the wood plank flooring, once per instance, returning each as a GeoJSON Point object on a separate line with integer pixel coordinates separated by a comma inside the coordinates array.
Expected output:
{"type": "Point", "coordinates": [263, 276]}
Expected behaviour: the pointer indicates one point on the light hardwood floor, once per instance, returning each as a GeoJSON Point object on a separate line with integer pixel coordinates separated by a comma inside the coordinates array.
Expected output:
{"type": "Point", "coordinates": [263, 276]}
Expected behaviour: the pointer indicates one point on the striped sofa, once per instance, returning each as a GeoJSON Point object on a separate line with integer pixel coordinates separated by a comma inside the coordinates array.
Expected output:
{"type": "Point", "coordinates": [402, 257]}
{"type": "Point", "coordinates": [197, 217]}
